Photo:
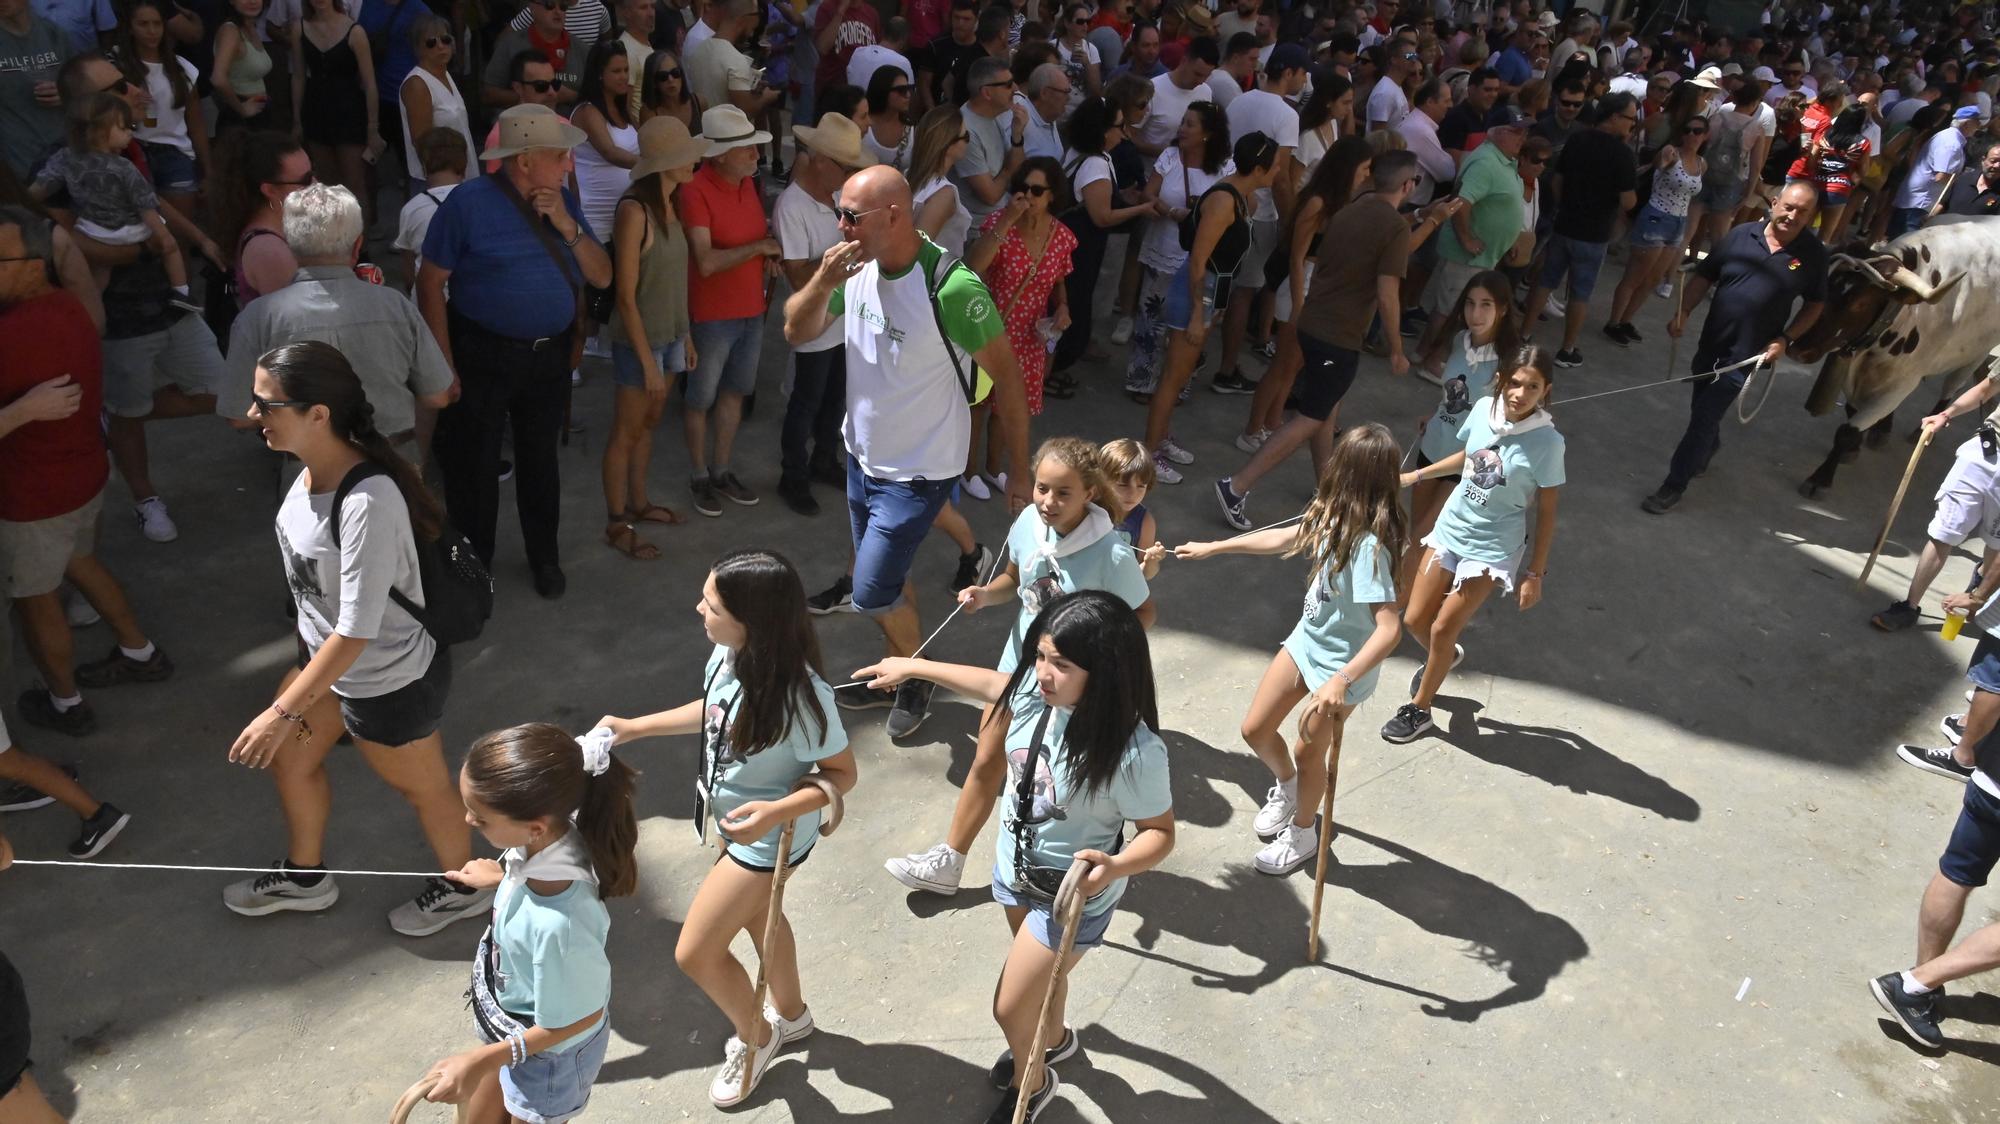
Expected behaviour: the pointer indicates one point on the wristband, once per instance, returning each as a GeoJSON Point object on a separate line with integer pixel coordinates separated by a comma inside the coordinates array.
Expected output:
{"type": "Point", "coordinates": [305, 731]}
{"type": "Point", "coordinates": [1341, 673]}
{"type": "Point", "coordinates": [574, 238]}
{"type": "Point", "coordinates": [1538, 575]}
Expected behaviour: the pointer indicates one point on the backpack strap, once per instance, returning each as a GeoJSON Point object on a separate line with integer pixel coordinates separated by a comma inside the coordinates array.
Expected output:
{"type": "Point", "coordinates": [933, 285]}
{"type": "Point", "coordinates": [355, 476]}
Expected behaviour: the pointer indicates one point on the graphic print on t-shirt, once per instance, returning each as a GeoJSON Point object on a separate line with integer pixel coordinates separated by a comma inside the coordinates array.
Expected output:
{"type": "Point", "coordinates": [1317, 593]}
{"type": "Point", "coordinates": [1457, 400]}
{"type": "Point", "coordinates": [1043, 807]}
{"type": "Point", "coordinates": [715, 737]}
{"type": "Point", "coordinates": [300, 573]}
{"type": "Point", "coordinates": [1038, 593]}
{"type": "Point", "coordinates": [1485, 474]}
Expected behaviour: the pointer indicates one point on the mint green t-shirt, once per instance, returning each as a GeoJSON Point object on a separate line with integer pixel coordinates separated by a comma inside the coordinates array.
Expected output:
{"type": "Point", "coordinates": [1109, 564]}
{"type": "Point", "coordinates": [1486, 517]}
{"type": "Point", "coordinates": [1339, 617]}
{"type": "Point", "coordinates": [767, 774]}
{"type": "Point", "coordinates": [1490, 183]}
{"type": "Point", "coordinates": [549, 952]}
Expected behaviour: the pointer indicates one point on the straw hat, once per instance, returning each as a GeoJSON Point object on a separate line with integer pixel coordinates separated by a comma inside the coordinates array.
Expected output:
{"type": "Point", "coordinates": [1710, 78]}
{"type": "Point", "coordinates": [724, 127]}
{"type": "Point", "coordinates": [837, 138]}
{"type": "Point", "coordinates": [1197, 16]}
{"type": "Point", "coordinates": [526, 127]}
{"type": "Point", "coordinates": [664, 143]}
{"type": "Point", "coordinates": [1549, 21]}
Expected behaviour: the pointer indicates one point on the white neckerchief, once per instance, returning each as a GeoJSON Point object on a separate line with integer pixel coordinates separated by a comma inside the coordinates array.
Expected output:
{"type": "Point", "coordinates": [1095, 524]}
{"type": "Point", "coordinates": [1497, 418]}
{"type": "Point", "coordinates": [1486, 353]}
{"type": "Point", "coordinates": [565, 860]}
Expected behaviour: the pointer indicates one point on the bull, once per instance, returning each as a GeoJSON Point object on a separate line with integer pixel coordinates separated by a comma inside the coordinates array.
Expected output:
{"type": "Point", "coordinates": [1926, 304]}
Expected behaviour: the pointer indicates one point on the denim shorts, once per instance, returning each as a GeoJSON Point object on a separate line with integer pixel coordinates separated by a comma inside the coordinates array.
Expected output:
{"type": "Point", "coordinates": [888, 519]}
{"type": "Point", "coordinates": [1324, 376]}
{"type": "Point", "coordinates": [1041, 922]}
{"type": "Point", "coordinates": [1984, 670]}
{"type": "Point", "coordinates": [1174, 313]}
{"type": "Point", "coordinates": [407, 714]}
{"type": "Point", "coordinates": [1655, 229]}
{"type": "Point", "coordinates": [627, 371]}
{"type": "Point", "coordinates": [726, 354]}
{"type": "Point", "coordinates": [173, 170]}
{"type": "Point", "coordinates": [552, 1087]}
{"type": "Point", "coordinates": [1716, 198]}
{"type": "Point", "coordinates": [1975, 839]}
{"type": "Point", "coordinates": [1580, 260]}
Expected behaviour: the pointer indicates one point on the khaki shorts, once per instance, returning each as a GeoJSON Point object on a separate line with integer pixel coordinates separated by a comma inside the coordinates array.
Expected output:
{"type": "Point", "coordinates": [36, 554]}
{"type": "Point", "coordinates": [1447, 284]}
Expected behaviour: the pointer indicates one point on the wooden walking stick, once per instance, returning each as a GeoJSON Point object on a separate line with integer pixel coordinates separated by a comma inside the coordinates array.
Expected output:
{"type": "Point", "coordinates": [827, 824]}
{"type": "Point", "coordinates": [1068, 908]}
{"type": "Point", "coordinates": [414, 1096]}
{"type": "Point", "coordinates": [1325, 831]}
{"type": "Point", "coordinates": [1895, 505]}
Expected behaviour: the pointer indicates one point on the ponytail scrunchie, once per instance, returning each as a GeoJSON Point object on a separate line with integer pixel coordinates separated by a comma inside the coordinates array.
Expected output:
{"type": "Point", "coordinates": [596, 746]}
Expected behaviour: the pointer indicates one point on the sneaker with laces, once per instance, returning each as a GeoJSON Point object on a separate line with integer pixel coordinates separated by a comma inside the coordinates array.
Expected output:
{"type": "Point", "coordinates": [1164, 470]}
{"type": "Point", "coordinates": [1232, 382]}
{"type": "Point", "coordinates": [1409, 723]}
{"type": "Point", "coordinates": [1003, 1113]}
{"type": "Point", "coordinates": [1934, 759]}
{"type": "Point", "coordinates": [1121, 334]}
{"type": "Point", "coordinates": [18, 797]}
{"type": "Point", "coordinates": [706, 500]}
{"type": "Point", "coordinates": [912, 706]}
{"type": "Point", "coordinates": [789, 1030]}
{"type": "Point", "coordinates": [1173, 452]}
{"type": "Point", "coordinates": [836, 598]}
{"type": "Point", "coordinates": [1953, 726]}
{"type": "Point", "coordinates": [860, 696]}
{"type": "Point", "coordinates": [728, 1088]}
{"type": "Point", "coordinates": [936, 871]}
{"type": "Point", "coordinates": [1251, 442]}
{"type": "Point", "coordinates": [1896, 617]}
{"type": "Point", "coordinates": [1234, 507]}
{"type": "Point", "coordinates": [1632, 334]}
{"type": "Point", "coordinates": [971, 567]}
{"type": "Point", "coordinates": [439, 904]}
{"type": "Point", "coordinates": [1002, 1073]}
{"type": "Point", "coordinates": [1665, 289]}
{"type": "Point", "coordinates": [1555, 306]}
{"type": "Point", "coordinates": [1615, 332]}
{"type": "Point", "coordinates": [1292, 848]}
{"type": "Point", "coordinates": [117, 668]}
{"type": "Point", "coordinates": [1280, 805]}
{"type": "Point", "coordinates": [98, 832]}
{"type": "Point", "coordinates": [734, 490]}
{"type": "Point", "coordinates": [997, 481]}
{"type": "Point", "coordinates": [1916, 1014]}
{"type": "Point", "coordinates": [184, 302]}
{"type": "Point", "coordinates": [38, 709]}
{"type": "Point", "coordinates": [154, 522]}
{"type": "Point", "coordinates": [1569, 358]}
{"type": "Point", "coordinates": [276, 892]}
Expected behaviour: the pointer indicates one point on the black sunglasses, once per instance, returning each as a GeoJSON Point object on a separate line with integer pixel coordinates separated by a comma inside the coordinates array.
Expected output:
{"type": "Point", "coordinates": [1035, 189]}
{"type": "Point", "coordinates": [544, 85]}
{"type": "Point", "coordinates": [266, 405]}
{"type": "Point", "coordinates": [436, 39]}
{"type": "Point", "coordinates": [1002, 82]}
{"type": "Point", "coordinates": [901, 89]}
{"type": "Point", "coordinates": [1568, 104]}
{"type": "Point", "coordinates": [308, 181]}
{"type": "Point", "coordinates": [121, 87]}
{"type": "Point", "coordinates": [852, 217]}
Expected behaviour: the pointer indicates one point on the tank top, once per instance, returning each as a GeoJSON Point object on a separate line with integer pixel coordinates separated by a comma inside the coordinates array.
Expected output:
{"type": "Point", "coordinates": [662, 290]}
{"type": "Point", "coordinates": [951, 236]}
{"type": "Point", "coordinates": [447, 112]}
{"type": "Point", "coordinates": [1674, 187]}
{"type": "Point", "coordinates": [245, 292]}
{"type": "Point", "coordinates": [1132, 524]}
{"type": "Point", "coordinates": [600, 183]}
{"type": "Point", "coordinates": [248, 68]}
{"type": "Point", "coordinates": [1235, 241]}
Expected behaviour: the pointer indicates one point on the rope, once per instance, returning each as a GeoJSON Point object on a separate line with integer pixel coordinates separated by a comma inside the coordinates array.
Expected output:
{"type": "Point", "coordinates": [221, 869]}
{"type": "Point", "coordinates": [1756, 360]}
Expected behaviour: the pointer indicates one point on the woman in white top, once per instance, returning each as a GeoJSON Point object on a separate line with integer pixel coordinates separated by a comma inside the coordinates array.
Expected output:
{"type": "Point", "coordinates": [1326, 117]}
{"type": "Point", "coordinates": [429, 98]}
{"type": "Point", "coordinates": [1092, 132]}
{"type": "Point", "coordinates": [177, 155]}
{"type": "Point", "coordinates": [941, 141]}
{"type": "Point", "coordinates": [604, 161]}
{"type": "Point", "coordinates": [1198, 157]}
{"type": "Point", "coordinates": [1078, 57]}
{"type": "Point", "coordinates": [889, 135]}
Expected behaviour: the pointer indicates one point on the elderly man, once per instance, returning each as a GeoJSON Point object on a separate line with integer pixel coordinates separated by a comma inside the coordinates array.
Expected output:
{"type": "Point", "coordinates": [381, 333]}
{"type": "Point", "coordinates": [1976, 196]}
{"type": "Point", "coordinates": [1941, 158]}
{"type": "Point", "coordinates": [514, 249]}
{"type": "Point", "coordinates": [52, 478]}
{"type": "Point", "coordinates": [1173, 92]}
{"type": "Point", "coordinates": [1758, 272]}
{"type": "Point", "coordinates": [1045, 100]}
{"type": "Point", "coordinates": [720, 74]}
{"type": "Point", "coordinates": [1482, 232]}
{"type": "Point", "coordinates": [911, 370]}
{"type": "Point", "coordinates": [993, 148]}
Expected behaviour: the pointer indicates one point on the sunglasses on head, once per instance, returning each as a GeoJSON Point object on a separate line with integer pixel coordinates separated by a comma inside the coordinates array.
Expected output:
{"type": "Point", "coordinates": [434, 40]}
{"type": "Point", "coordinates": [544, 85]}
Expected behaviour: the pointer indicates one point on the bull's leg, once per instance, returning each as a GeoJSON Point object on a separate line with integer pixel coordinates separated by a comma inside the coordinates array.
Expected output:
{"type": "Point", "coordinates": [1879, 433]}
{"type": "Point", "coordinates": [1848, 455]}
{"type": "Point", "coordinates": [1846, 439]}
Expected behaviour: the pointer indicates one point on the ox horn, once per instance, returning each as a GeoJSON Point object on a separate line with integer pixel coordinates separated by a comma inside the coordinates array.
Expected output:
{"type": "Point", "coordinates": [1867, 267]}
{"type": "Point", "coordinates": [1905, 278]}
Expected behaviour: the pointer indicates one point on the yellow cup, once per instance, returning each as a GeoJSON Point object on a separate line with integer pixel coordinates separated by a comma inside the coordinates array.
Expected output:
{"type": "Point", "coordinates": [1952, 623]}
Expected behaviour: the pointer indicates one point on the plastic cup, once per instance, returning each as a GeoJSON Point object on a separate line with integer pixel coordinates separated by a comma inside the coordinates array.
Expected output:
{"type": "Point", "coordinates": [1952, 623]}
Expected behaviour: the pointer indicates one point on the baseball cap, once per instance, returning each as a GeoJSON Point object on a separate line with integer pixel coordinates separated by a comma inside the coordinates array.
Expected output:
{"type": "Point", "coordinates": [1506, 117]}
{"type": "Point", "coordinates": [1286, 56]}
{"type": "Point", "coordinates": [1764, 74]}
{"type": "Point", "coordinates": [1965, 113]}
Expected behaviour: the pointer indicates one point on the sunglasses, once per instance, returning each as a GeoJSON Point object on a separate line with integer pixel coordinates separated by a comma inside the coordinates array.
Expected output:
{"type": "Point", "coordinates": [435, 40]}
{"type": "Point", "coordinates": [1410, 55]}
{"type": "Point", "coordinates": [121, 87]}
{"type": "Point", "coordinates": [963, 138]}
{"type": "Point", "coordinates": [308, 181]}
{"type": "Point", "coordinates": [1078, 22]}
{"type": "Point", "coordinates": [544, 85]}
{"type": "Point", "coordinates": [264, 406]}
{"type": "Point", "coordinates": [1035, 189]}
{"type": "Point", "coordinates": [852, 217]}
{"type": "Point", "coordinates": [1008, 82]}
{"type": "Point", "coordinates": [903, 89]}
{"type": "Point", "coordinates": [1568, 104]}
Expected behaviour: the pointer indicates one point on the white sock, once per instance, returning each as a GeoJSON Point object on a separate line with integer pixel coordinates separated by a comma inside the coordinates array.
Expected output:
{"type": "Point", "coordinates": [1911, 985]}
{"type": "Point", "coordinates": [65, 705]}
{"type": "Point", "coordinates": [181, 289]}
{"type": "Point", "coordinates": [140, 654]}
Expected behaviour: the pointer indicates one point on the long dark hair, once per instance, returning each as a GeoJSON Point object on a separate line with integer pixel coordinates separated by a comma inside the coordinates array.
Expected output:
{"type": "Point", "coordinates": [134, 68]}
{"type": "Point", "coordinates": [1084, 131]}
{"type": "Point", "coordinates": [1100, 634]}
{"type": "Point", "coordinates": [1845, 131]}
{"type": "Point", "coordinates": [590, 91]}
{"type": "Point", "coordinates": [316, 373]}
{"type": "Point", "coordinates": [780, 649]}
{"type": "Point", "coordinates": [1328, 87]}
{"type": "Point", "coordinates": [884, 77]}
{"type": "Point", "coordinates": [1332, 181]}
{"type": "Point", "coordinates": [246, 160]}
{"type": "Point", "coordinates": [1215, 133]}
{"type": "Point", "coordinates": [647, 192]}
{"type": "Point", "coordinates": [535, 771]}
{"type": "Point", "coordinates": [1359, 494]}
{"type": "Point", "coordinates": [1506, 329]}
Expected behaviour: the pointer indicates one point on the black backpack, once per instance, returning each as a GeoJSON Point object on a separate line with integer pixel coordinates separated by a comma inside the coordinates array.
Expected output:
{"type": "Point", "coordinates": [458, 591]}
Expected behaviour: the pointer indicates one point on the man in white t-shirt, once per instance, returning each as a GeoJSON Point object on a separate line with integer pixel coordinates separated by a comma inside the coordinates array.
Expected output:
{"type": "Point", "coordinates": [1173, 92]}
{"type": "Point", "coordinates": [1262, 110]}
{"type": "Point", "coordinates": [914, 328]}
{"type": "Point", "coordinates": [637, 17]}
{"type": "Point", "coordinates": [1238, 68]}
{"type": "Point", "coordinates": [1241, 18]}
{"type": "Point", "coordinates": [1386, 104]}
{"type": "Point", "coordinates": [714, 13]}
{"type": "Point", "coordinates": [720, 74]}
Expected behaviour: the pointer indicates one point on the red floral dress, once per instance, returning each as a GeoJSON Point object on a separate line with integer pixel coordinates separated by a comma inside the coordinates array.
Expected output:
{"type": "Point", "coordinates": [1024, 299]}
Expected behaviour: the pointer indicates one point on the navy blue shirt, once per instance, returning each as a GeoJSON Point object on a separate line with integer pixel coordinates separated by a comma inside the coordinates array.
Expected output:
{"type": "Point", "coordinates": [387, 26]}
{"type": "Point", "coordinates": [502, 278]}
{"type": "Point", "coordinates": [1754, 292]}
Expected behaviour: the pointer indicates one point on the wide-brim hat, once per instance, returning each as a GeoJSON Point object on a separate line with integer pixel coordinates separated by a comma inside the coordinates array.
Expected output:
{"type": "Point", "coordinates": [1710, 78]}
{"type": "Point", "coordinates": [1548, 22]}
{"type": "Point", "coordinates": [1198, 17]}
{"type": "Point", "coordinates": [523, 128]}
{"type": "Point", "coordinates": [664, 143]}
{"type": "Point", "coordinates": [837, 138]}
{"type": "Point", "coordinates": [724, 127]}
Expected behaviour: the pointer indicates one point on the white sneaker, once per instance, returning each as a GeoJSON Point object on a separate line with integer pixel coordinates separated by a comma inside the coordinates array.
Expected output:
{"type": "Point", "coordinates": [1122, 334]}
{"type": "Point", "coordinates": [1556, 308]}
{"type": "Point", "coordinates": [276, 892]}
{"type": "Point", "coordinates": [1424, 372]}
{"type": "Point", "coordinates": [1251, 442]}
{"type": "Point", "coordinates": [80, 611]}
{"type": "Point", "coordinates": [1665, 290]}
{"type": "Point", "coordinates": [1280, 805]}
{"type": "Point", "coordinates": [976, 488]}
{"type": "Point", "coordinates": [438, 905]}
{"type": "Point", "coordinates": [997, 481]}
{"type": "Point", "coordinates": [1164, 470]}
{"type": "Point", "coordinates": [1294, 847]}
{"type": "Point", "coordinates": [1175, 453]}
{"type": "Point", "coordinates": [936, 871]}
{"type": "Point", "coordinates": [154, 521]}
{"type": "Point", "coordinates": [727, 1089]}
{"type": "Point", "coordinates": [789, 1030]}
{"type": "Point", "coordinates": [576, 376]}
{"type": "Point", "coordinates": [596, 347]}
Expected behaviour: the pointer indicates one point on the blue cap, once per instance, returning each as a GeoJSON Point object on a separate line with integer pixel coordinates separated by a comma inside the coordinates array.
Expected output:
{"type": "Point", "coordinates": [1286, 56]}
{"type": "Point", "coordinates": [1965, 112]}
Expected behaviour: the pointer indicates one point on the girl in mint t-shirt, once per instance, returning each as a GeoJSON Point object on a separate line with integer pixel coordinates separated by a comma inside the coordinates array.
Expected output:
{"type": "Point", "coordinates": [1082, 709]}
{"type": "Point", "coordinates": [767, 720]}
{"type": "Point", "coordinates": [1512, 459]}
{"type": "Point", "coordinates": [541, 982]}
{"type": "Point", "coordinates": [1353, 531]}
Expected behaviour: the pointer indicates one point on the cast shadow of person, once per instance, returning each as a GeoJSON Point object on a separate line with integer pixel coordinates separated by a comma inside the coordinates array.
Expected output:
{"type": "Point", "coordinates": [1564, 759]}
{"type": "Point", "coordinates": [1204, 775]}
{"type": "Point", "coordinates": [650, 1007]}
{"type": "Point", "coordinates": [1214, 1099]}
{"type": "Point", "coordinates": [918, 1082]}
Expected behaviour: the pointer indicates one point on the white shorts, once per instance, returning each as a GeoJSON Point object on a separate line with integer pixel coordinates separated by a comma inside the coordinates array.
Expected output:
{"type": "Point", "coordinates": [1282, 306]}
{"type": "Point", "coordinates": [114, 235]}
{"type": "Point", "coordinates": [1463, 569]}
{"type": "Point", "coordinates": [1968, 504]}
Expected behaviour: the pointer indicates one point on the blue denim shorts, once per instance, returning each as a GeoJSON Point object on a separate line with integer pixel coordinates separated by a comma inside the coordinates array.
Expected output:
{"type": "Point", "coordinates": [1975, 839]}
{"type": "Point", "coordinates": [627, 371]}
{"type": "Point", "coordinates": [1174, 314]}
{"type": "Point", "coordinates": [1654, 228]}
{"type": "Point", "coordinates": [1580, 260]}
{"type": "Point", "coordinates": [1984, 670]}
{"type": "Point", "coordinates": [888, 519]}
{"type": "Point", "coordinates": [726, 354]}
{"type": "Point", "coordinates": [1089, 930]}
{"type": "Point", "coordinates": [551, 1087]}
{"type": "Point", "coordinates": [173, 170]}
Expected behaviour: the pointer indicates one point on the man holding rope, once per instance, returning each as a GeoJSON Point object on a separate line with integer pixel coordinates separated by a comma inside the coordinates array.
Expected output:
{"type": "Point", "coordinates": [1757, 273]}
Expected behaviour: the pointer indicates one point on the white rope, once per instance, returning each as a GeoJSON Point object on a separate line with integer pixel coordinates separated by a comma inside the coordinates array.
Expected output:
{"type": "Point", "coordinates": [991, 572]}
{"type": "Point", "coordinates": [223, 869]}
{"type": "Point", "coordinates": [1757, 360]}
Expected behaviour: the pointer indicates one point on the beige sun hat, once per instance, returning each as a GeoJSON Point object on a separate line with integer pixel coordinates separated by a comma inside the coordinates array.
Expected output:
{"type": "Point", "coordinates": [526, 127]}
{"type": "Point", "coordinates": [724, 127]}
{"type": "Point", "coordinates": [1710, 78]}
{"type": "Point", "coordinates": [664, 143]}
{"type": "Point", "coordinates": [837, 138]}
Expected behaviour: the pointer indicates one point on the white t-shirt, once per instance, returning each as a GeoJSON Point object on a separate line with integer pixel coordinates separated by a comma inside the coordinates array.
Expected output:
{"type": "Point", "coordinates": [1086, 170]}
{"type": "Point", "coordinates": [1162, 248]}
{"type": "Point", "coordinates": [1170, 105]}
{"type": "Point", "coordinates": [1386, 105]}
{"type": "Point", "coordinates": [696, 34]}
{"type": "Point", "coordinates": [957, 230]}
{"type": "Point", "coordinates": [718, 68]}
{"type": "Point", "coordinates": [806, 231]}
{"type": "Point", "coordinates": [871, 57]}
{"type": "Point", "coordinates": [415, 221]}
{"type": "Point", "coordinates": [1311, 150]}
{"type": "Point", "coordinates": [171, 127]}
{"type": "Point", "coordinates": [1073, 63]}
{"type": "Point", "coordinates": [1261, 111]}
{"type": "Point", "coordinates": [1222, 87]}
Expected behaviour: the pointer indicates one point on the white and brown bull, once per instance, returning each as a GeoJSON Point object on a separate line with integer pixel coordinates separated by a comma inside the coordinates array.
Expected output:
{"type": "Point", "coordinates": [1926, 304]}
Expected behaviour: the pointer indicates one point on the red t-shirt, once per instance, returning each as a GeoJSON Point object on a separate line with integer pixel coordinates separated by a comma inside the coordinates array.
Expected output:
{"type": "Point", "coordinates": [1812, 123]}
{"type": "Point", "coordinates": [557, 49]}
{"type": "Point", "coordinates": [51, 468]}
{"type": "Point", "coordinates": [859, 26]}
{"type": "Point", "coordinates": [734, 217]}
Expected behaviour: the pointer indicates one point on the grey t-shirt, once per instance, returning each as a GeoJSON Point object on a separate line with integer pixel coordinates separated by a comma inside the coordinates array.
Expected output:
{"type": "Point", "coordinates": [985, 155]}
{"type": "Point", "coordinates": [104, 188]}
{"type": "Point", "coordinates": [27, 127]}
{"type": "Point", "coordinates": [347, 591]}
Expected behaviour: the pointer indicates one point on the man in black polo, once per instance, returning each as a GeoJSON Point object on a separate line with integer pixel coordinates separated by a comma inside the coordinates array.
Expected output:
{"type": "Point", "coordinates": [1757, 273]}
{"type": "Point", "coordinates": [1976, 195]}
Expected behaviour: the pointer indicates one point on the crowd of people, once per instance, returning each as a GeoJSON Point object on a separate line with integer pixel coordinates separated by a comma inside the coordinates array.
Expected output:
{"type": "Point", "coordinates": [962, 213]}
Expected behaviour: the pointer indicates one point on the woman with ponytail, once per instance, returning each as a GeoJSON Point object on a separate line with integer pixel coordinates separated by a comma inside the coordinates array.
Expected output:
{"type": "Point", "coordinates": [541, 984]}
{"type": "Point", "coordinates": [766, 720]}
{"type": "Point", "coordinates": [366, 664]}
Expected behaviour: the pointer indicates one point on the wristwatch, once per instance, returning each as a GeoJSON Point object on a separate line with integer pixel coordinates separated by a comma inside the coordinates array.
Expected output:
{"type": "Point", "coordinates": [1019, 142]}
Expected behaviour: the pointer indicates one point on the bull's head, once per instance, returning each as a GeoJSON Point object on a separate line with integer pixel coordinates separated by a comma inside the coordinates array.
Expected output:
{"type": "Point", "coordinates": [1863, 292]}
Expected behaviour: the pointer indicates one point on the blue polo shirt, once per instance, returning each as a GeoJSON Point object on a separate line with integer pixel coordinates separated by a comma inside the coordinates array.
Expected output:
{"type": "Point", "coordinates": [1754, 293]}
{"type": "Point", "coordinates": [502, 278]}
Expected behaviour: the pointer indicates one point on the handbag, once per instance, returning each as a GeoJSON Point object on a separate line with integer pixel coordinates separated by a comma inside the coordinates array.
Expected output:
{"type": "Point", "coordinates": [1039, 882]}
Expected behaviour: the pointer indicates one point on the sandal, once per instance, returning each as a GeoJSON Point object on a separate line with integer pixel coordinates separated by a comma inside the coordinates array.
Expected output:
{"type": "Point", "coordinates": [624, 538]}
{"type": "Point", "coordinates": [1065, 389]}
{"type": "Point", "coordinates": [656, 513]}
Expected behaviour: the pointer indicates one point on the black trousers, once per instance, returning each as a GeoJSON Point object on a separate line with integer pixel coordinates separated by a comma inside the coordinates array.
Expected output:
{"type": "Point", "coordinates": [501, 380]}
{"type": "Point", "coordinates": [1086, 264]}
{"type": "Point", "coordinates": [815, 410]}
{"type": "Point", "coordinates": [1707, 408]}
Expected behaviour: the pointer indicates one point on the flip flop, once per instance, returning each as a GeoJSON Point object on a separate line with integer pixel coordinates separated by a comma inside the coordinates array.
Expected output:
{"type": "Point", "coordinates": [647, 514]}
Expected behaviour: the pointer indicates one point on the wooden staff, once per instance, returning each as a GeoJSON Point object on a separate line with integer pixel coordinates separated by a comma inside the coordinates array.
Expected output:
{"type": "Point", "coordinates": [1325, 830]}
{"type": "Point", "coordinates": [827, 824]}
{"type": "Point", "coordinates": [1894, 506]}
{"type": "Point", "coordinates": [414, 1095]}
{"type": "Point", "coordinates": [1069, 908]}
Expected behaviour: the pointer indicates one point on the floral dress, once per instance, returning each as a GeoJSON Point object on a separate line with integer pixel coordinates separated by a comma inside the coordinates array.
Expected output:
{"type": "Point", "coordinates": [1022, 285]}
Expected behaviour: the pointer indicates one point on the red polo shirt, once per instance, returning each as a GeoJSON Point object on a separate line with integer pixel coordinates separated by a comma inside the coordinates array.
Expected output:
{"type": "Point", "coordinates": [51, 468]}
{"type": "Point", "coordinates": [734, 217]}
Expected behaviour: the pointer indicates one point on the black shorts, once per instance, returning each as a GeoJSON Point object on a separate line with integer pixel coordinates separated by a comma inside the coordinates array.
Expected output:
{"type": "Point", "coordinates": [757, 869]}
{"type": "Point", "coordinates": [13, 1027]}
{"type": "Point", "coordinates": [408, 713]}
{"type": "Point", "coordinates": [1324, 377]}
{"type": "Point", "coordinates": [1424, 462]}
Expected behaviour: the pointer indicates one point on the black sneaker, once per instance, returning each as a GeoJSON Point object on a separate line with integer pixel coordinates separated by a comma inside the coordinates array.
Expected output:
{"type": "Point", "coordinates": [1632, 334]}
{"type": "Point", "coordinates": [550, 583]}
{"type": "Point", "coordinates": [1003, 1113]}
{"type": "Point", "coordinates": [1002, 1073]}
{"type": "Point", "coordinates": [1616, 334]}
{"type": "Point", "coordinates": [1234, 507]}
{"type": "Point", "coordinates": [1413, 322]}
{"type": "Point", "coordinates": [1409, 723]}
{"type": "Point", "coordinates": [1953, 726]}
{"type": "Point", "coordinates": [705, 499]}
{"type": "Point", "coordinates": [1662, 501]}
{"type": "Point", "coordinates": [18, 797]}
{"type": "Point", "coordinates": [37, 709]}
{"type": "Point", "coordinates": [118, 668]}
{"type": "Point", "coordinates": [1896, 617]}
{"type": "Point", "coordinates": [836, 598]}
{"type": "Point", "coordinates": [796, 491]}
{"type": "Point", "coordinates": [828, 472]}
{"type": "Point", "coordinates": [1934, 759]}
{"type": "Point", "coordinates": [860, 696]}
{"type": "Point", "coordinates": [971, 567]}
{"type": "Point", "coordinates": [98, 832]}
{"type": "Point", "coordinates": [1457, 657]}
{"type": "Point", "coordinates": [1916, 1014]}
{"type": "Point", "coordinates": [734, 490]}
{"type": "Point", "coordinates": [1232, 383]}
{"type": "Point", "coordinates": [1570, 358]}
{"type": "Point", "coordinates": [912, 706]}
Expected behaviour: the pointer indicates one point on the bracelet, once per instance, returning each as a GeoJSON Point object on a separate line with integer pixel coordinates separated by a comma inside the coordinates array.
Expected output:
{"type": "Point", "coordinates": [1341, 673]}
{"type": "Point", "coordinates": [1538, 575]}
{"type": "Point", "coordinates": [575, 238]}
{"type": "Point", "coordinates": [305, 730]}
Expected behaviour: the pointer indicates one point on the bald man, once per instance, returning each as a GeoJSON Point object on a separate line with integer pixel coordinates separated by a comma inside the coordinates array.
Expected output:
{"type": "Point", "coordinates": [911, 371]}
